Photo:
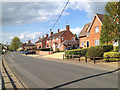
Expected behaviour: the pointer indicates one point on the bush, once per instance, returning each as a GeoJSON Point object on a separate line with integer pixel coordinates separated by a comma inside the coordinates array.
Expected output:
{"type": "Point", "coordinates": [106, 48]}
{"type": "Point", "coordinates": [116, 48]}
{"type": "Point", "coordinates": [57, 49]}
{"type": "Point", "coordinates": [44, 49]}
{"type": "Point", "coordinates": [81, 52]}
{"type": "Point", "coordinates": [95, 52]}
{"type": "Point", "coordinates": [112, 54]}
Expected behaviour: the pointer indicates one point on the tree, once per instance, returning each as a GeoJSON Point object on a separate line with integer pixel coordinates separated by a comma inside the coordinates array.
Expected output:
{"type": "Point", "coordinates": [76, 38]}
{"type": "Point", "coordinates": [15, 44]}
{"type": "Point", "coordinates": [110, 29]}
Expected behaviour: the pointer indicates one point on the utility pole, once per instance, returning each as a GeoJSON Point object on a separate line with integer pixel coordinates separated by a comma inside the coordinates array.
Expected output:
{"type": "Point", "coordinates": [50, 41]}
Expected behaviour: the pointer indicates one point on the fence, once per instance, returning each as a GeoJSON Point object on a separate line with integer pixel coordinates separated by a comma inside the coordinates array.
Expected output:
{"type": "Point", "coordinates": [86, 58]}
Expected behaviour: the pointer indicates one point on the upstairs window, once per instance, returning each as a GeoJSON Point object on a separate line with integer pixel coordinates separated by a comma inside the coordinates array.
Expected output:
{"type": "Point", "coordinates": [56, 39]}
{"type": "Point", "coordinates": [61, 38]}
{"type": "Point", "coordinates": [72, 38]}
{"type": "Point", "coordinates": [88, 34]}
{"type": "Point", "coordinates": [96, 29]}
{"type": "Point", "coordinates": [53, 39]}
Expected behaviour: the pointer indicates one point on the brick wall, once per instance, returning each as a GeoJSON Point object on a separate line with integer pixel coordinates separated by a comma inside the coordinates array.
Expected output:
{"type": "Point", "coordinates": [43, 52]}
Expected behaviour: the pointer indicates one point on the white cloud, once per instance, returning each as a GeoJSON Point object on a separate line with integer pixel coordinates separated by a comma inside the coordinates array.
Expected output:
{"type": "Point", "coordinates": [24, 37]}
{"type": "Point", "coordinates": [28, 12]}
{"type": "Point", "coordinates": [76, 30]}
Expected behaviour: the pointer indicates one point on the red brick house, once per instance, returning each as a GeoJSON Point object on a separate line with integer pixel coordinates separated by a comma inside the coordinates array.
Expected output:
{"type": "Point", "coordinates": [41, 43]}
{"type": "Point", "coordinates": [90, 34]}
{"type": "Point", "coordinates": [58, 38]}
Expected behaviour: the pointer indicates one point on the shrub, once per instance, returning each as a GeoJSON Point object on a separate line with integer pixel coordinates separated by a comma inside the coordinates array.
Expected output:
{"type": "Point", "coordinates": [112, 54]}
{"type": "Point", "coordinates": [57, 49]}
{"type": "Point", "coordinates": [81, 52]}
{"type": "Point", "coordinates": [95, 52]}
{"type": "Point", "coordinates": [116, 48]}
{"type": "Point", "coordinates": [106, 48]}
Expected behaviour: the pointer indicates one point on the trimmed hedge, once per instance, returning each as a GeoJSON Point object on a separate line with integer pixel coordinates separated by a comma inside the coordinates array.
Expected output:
{"type": "Point", "coordinates": [112, 54]}
{"type": "Point", "coordinates": [44, 49]}
{"type": "Point", "coordinates": [95, 52]}
{"type": "Point", "coordinates": [81, 52]}
{"type": "Point", "coordinates": [106, 48]}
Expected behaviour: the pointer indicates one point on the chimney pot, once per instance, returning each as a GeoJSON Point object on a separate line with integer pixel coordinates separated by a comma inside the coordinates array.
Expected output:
{"type": "Point", "coordinates": [58, 30]}
{"type": "Point", "coordinates": [43, 36]}
{"type": "Point", "coordinates": [51, 33]}
{"type": "Point", "coordinates": [39, 37]}
{"type": "Point", "coordinates": [29, 41]}
{"type": "Point", "coordinates": [67, 27]}
{"type": "Point", "coordinates": [46, 35]}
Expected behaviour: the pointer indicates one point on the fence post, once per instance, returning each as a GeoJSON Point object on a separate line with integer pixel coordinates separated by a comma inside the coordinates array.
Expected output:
{"type": "Point", "coordinates": [63, 56]}
{"type": "Point", "coordinates": [85, 59]}
{"type": "Point", "coordinates": [79, 58]}
{"type": "Point", "coordinates": [72, 57]}
{"type": "Point", "coordinates": [94, 60]}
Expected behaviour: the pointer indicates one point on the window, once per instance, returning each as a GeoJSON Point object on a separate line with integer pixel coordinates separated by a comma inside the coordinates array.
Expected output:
{"type": "Point", "coordinates": [61, 38]}
{"type": "Point", "coordinates": [47, 40]}
{"type": "Point", "coordinates": [47, 45]}
{"type": "Point", "coordinates": [88, 33]}
{"type": "Point", "coordinates": [56, 39]}
{"type": "Point", "coordinates": [96, 29]}
{"type": "Point", "coordinates": [53, 39]}
{"type": "Point", "coordinates": [72, 38]}
{"type": "Point", "coordinates": [82, 44]}
{"type": "Point", "coordinates": [97, 42]}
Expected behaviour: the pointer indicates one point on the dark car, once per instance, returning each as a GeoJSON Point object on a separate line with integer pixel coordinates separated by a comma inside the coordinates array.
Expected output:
{"type": "Point", "coordinates": [29, 52]}
{"type": "Point", "coordinates": [67, 48]}
{"type": "Point", "coordinates": [23, 52]}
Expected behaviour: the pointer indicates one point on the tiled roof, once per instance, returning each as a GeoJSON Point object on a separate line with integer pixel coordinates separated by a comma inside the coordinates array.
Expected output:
{"type": "Point", "coordinates": [29, 44]}
{"type": "Point", "coordinates": [57, 34]}
{"type": "Point", "coordinates": [83, 32]}
{"type": "Point", "coordinates": [41, 39]}
{"type": "Point", "coordinates": [71, 42]}
{"type": "Point", "coordinates": [100, 16]}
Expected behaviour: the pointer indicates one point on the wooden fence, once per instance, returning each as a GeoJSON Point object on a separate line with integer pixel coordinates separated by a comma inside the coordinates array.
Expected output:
{"type": "Point", "coordinates": [86, 58]}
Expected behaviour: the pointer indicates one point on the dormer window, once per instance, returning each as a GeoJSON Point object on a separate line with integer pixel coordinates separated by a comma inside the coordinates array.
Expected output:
{"type": "Point", "coordinates": [96, 29]}
{"type": "Point", "coordinates": [72, 38]}
{"type": "Point", "coordinates": [88, 34]}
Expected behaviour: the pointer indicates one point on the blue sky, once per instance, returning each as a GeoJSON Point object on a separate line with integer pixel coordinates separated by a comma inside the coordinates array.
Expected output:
{"type": "Point", "coordinates": [29, 20]}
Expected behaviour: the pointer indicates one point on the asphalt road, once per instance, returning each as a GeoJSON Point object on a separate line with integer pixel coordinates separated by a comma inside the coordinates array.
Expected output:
{"type": "Point", "coordinates": [40, 73]}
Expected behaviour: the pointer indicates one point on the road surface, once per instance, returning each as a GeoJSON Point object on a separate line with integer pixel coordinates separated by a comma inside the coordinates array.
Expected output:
{"type": "Point", "coordinates": [40, 73]}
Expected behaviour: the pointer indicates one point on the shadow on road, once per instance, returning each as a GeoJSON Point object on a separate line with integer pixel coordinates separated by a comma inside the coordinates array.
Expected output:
{"type": "Point", "coordinates": [74, 81]}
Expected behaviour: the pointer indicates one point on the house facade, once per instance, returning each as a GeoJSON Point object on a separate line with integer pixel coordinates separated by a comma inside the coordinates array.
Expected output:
{"type": "Point", "coordinates": [56, 40]}
{"type": "Point", "coordinates": [90, 34]}
{"type": "Point", "coordinates": [28, 46]}
{"type": "Point", "coordinates": [41, 42]}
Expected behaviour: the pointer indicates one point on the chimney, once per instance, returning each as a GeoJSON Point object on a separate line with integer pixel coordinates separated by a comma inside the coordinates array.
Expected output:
{"type": "Point", "coordinates": [58, 30]}
{"type": "Point", "coordinates": [67, 27]}
{"type": "Point", "coordinates": [51, 33]}
{"type": "Point", "coordinates": [29, 41]}
{"type": "Point", "coordinates": [43, 36]}
{"type": "Point", "coordinates": [39, 37]}
{"type": "Point", "coordinates": [46, 35]}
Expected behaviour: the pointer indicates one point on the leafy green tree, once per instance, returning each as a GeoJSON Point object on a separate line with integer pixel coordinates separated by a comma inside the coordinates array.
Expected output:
{"type": "Point", "coordinates": [110, 29]}
{"type": "Point", "coordinates": [15, 44]}
{"type": "Point", "coordinates": [76, 38]}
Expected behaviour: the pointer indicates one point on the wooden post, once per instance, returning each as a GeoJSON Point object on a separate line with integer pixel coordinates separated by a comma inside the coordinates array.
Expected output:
{"type": "Point", "coordinates": [63, 56]}
{"type": "Point", "coordinates": [79, 58]}
{"type": "Point", "coordinates": [72, 57]}
{"type": "Point", "coordinates": [86, 59]}
{"type": "Point", "coordinates": [94, 60]}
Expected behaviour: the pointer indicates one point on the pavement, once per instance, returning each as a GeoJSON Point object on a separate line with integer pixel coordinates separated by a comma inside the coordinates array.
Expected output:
{"type": "Point", "coordinates": [47, 73]}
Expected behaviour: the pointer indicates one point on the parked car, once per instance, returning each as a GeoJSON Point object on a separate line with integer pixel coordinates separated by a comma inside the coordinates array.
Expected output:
{"type": "Point", "coordinates": [23, 52]}
{"type": "Point", "coordinates": [29, 52]}
{"type": "Point", "coordinates": [67, 48]}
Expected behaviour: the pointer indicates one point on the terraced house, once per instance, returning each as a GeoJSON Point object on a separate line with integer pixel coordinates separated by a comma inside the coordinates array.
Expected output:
{"type": "Point", "coordinates": [58, 40]}
{"type": "Point", "coordinates": [90, 34]}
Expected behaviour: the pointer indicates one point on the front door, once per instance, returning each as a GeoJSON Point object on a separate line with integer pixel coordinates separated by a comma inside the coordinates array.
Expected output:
{"type": "Point", "coordinates": [87, 43]}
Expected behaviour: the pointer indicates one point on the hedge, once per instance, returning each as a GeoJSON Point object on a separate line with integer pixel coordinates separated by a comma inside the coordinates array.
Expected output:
{"type": "Point", "coordinates": [112, 54]}
{"type": "Point", "coordinates": [95, 52]}
{"type": "Point", "coordinates": [44, 49]}
{"type": "Point", "coordinates": [81, 52]}
{"type": "Point", "coordinates": [106, 48]}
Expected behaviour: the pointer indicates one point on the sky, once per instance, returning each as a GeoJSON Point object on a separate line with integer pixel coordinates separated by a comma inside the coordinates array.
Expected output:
{"type": "Point", "coordinates": [31, 20]}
